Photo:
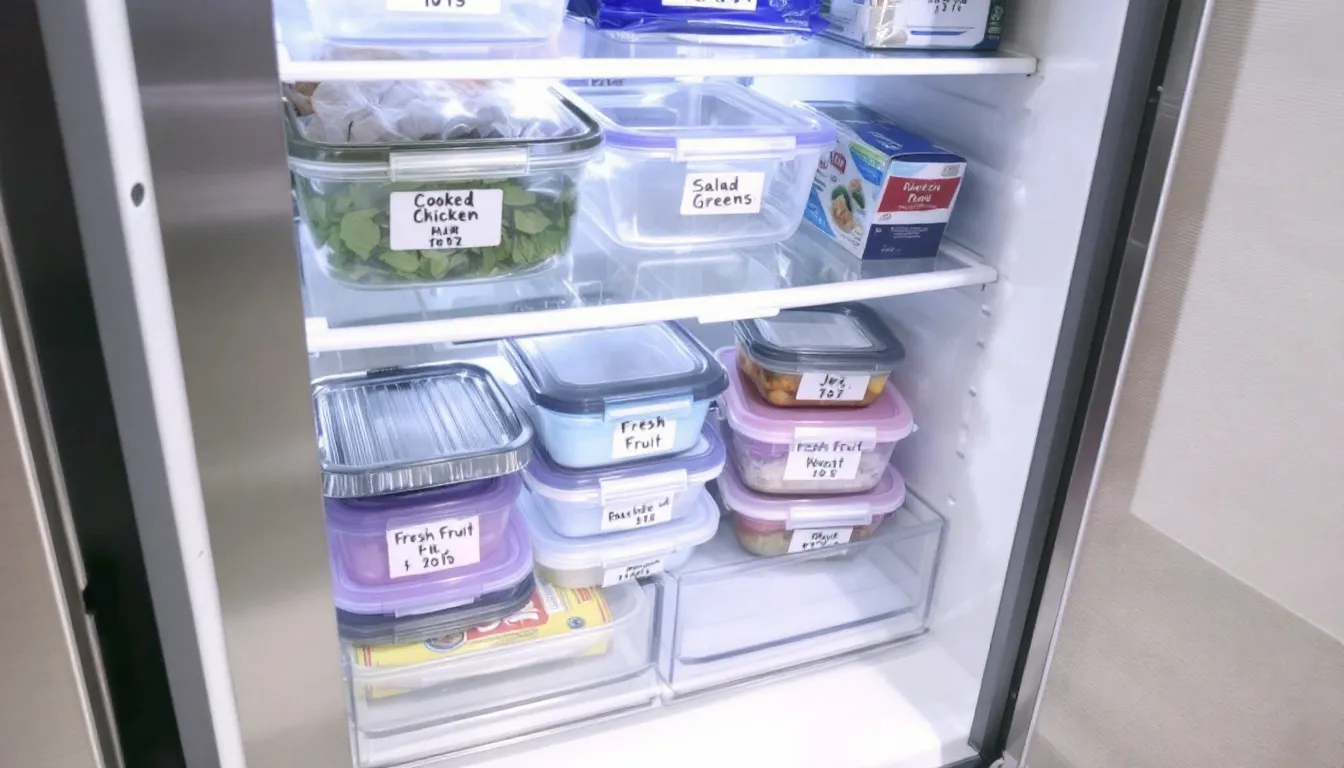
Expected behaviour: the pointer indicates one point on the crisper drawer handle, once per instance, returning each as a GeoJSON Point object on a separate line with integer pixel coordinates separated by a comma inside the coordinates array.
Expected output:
{"type": "Point", "coordinates": [461, 164]}
{"type": "Point", "coordinates": [729, 148]}
{"type": "Point", "coordinates": [680, 406]}
{"type": "Point", "coordinates": [828, 516]}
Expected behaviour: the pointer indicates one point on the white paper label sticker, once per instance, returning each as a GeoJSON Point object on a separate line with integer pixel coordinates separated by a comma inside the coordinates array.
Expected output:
{"type": "Point", "coordinates": [643, 437]}
{"type": "Point", "coordinates": [444, 219]}
{"type": "Point", "coordinates": [821, 466]}
{"type": "Point", "coordinates": [832, 386]}
{"type": "Point", "coordinates": [722, 5]}
{"type": "Point", "coordinates": [713, 194]}
{"type": "Point", "coordinates": [462, 7]}
{"type": "Point", "coordinates": [431, 547]}
{"type": "Point", "coordinates": [636, 513]}
{"type": "Point", "coordinates": [623, 573]}
{"type": "Point", "coordinates": [807, 539]}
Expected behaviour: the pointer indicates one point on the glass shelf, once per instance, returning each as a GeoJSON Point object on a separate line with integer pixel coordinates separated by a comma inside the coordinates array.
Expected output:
{"type": "Point", "coordinates": [579, 52]}
{"type": "Point", "coordinates": [598, 285]}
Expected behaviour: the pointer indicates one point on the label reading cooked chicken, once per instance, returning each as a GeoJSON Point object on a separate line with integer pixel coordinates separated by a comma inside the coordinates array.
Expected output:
{"type": "Point", "coordinates": [831, 386]}
{"type": "Point", "coordinates": [441, 220]}
{"type": "Point", "coordinates": [807, 539]}
{"type": "Point", "coordinates": [713, 194]}
{"type": "Point", "coordinates": [722, 5]}
{"type": "Point", "coordinates": [462, 7]}
{"type": "Point", "coordinates": [429, 547]}
{"type": "Point", "coordinates": [643, 437]}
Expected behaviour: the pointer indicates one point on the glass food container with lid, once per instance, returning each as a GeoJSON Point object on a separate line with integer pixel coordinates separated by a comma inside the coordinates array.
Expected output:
{"type": "Point", "coordinates": [413, 183]}
{"type": "Point", "coordinates": [834, 355]}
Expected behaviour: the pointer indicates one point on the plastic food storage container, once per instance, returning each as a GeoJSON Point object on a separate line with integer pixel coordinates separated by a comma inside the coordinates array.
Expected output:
{"type": "Point", "coordinates": [700, 165]}
{"type": "Point", "coordinates": [615, 395]}
{"type": "Point", "coordinates": [589, 502]}
{"type": "Point", "coordinates": [395, 431]}
{"type": "Point", "coordinates": [411, 537]}
{"type": "Point", "coordinates": [391, 629]}
{"type": "Point", "coordinates": [435, 22]}
{"type": "Point", "coordinates": [781, 525]}
{"type": "Point", "coordinates": [809, 450]}
{"type": "Point", "coordinates": [836, 355]}
{"type": "Point", "coordinates": [409, 183]}
{"type": "Point", "coordinates": [431, 590]}
{"type": "Point", "coordinates": [732, 22]}
{"type": "Point", "coordinates": [615, 558]}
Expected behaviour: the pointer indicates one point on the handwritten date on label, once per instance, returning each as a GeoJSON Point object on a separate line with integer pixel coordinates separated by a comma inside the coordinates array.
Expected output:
{"type": "Point", "coordinates": [623, 573]}
{"type": "Point", "coordinates": [832, 386]}
{"type": "Point", "coordinates": [807, 539]}
{"type": "Point", "coordinates": [722, 5]}
{"type": "Point", "coordinates": [823, 466]}
{"type": "Point", "coordinates": [643, 437]}
{"type": "Point", "coordinates": [446, 219]}
{"type": "Point", "coordinates": [714, 194]}
{"type": "Point", "coordinates": [455, 7]}
{"type": "Point", "coordinates": [636, 513]}
{"type": "Point", "coordinates": [430, 547]}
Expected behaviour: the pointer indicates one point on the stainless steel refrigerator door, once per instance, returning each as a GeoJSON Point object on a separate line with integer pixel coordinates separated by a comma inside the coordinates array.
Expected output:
{"type": "Point", "coordinates": [1203, 623]}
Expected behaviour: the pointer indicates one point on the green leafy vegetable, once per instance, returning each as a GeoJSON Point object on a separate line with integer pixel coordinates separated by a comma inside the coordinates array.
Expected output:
{"type": "Point", "coordinates": [350, 225]}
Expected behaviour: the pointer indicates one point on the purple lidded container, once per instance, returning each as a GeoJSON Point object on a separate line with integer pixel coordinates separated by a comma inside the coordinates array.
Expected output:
{"type": "Point", "coordinates": [509, 562]}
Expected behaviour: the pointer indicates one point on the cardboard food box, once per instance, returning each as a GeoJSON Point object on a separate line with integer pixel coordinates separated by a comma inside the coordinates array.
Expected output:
{"type": "Point", "coordinates": [882, 192]}
{"type": "Point", "coordinates": [966, 24]}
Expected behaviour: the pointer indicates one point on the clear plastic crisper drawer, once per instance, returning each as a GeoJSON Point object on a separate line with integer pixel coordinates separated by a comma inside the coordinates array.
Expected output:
{"type": "Point", "coordinates": [405, 430]}
{"type": "Point", "coordinates": [732, 616]}
{"type": "Point", "coordinates": [458, 702]}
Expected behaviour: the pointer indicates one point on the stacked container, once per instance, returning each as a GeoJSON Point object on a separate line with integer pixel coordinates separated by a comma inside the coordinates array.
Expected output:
{"type": "Point", "coordinates": [811, 422]}
{"type": "Point", "coordinates": [617, 490]}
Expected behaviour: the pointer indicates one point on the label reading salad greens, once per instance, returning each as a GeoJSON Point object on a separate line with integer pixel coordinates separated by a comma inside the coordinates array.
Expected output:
{"type": "Point", "coordinates": [352, 224]}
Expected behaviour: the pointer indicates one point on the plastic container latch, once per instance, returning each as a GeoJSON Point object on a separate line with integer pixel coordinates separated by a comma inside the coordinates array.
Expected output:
{"type": "Point", "coordinates": [674, 481]}
{"type": "Point", "coordinates": [828, 516]}
{"type": "Point", "coordinates": [506, 163]}
{"type": "Point", "coordinates": [732, 148]}
{"type": "Point", "coordinates": [635, 409]}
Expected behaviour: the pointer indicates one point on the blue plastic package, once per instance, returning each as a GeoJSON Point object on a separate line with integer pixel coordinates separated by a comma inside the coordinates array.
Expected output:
{"type": "Point", "coordinates": [799, 18]}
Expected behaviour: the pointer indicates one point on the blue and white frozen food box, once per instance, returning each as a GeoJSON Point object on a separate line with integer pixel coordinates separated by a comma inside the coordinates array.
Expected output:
{"type": "Point", "coordinates": [965, 24]}
{"type": "Point", "coordinates": [882, 192]}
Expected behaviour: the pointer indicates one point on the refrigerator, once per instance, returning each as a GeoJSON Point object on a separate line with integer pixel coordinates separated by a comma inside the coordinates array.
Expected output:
{"type": "Point", "coordinates": [1004, 615]}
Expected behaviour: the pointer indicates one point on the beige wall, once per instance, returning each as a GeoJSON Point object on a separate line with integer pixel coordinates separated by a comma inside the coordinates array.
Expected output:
{"type": "Point", "coordinates": [1205, 622]}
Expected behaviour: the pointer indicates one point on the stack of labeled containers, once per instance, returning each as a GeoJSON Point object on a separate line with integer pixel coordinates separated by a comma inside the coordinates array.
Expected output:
{"type": "Point", "coordinates": [616, 490]}
{"type": "Point", "coordinates": [812, 420]}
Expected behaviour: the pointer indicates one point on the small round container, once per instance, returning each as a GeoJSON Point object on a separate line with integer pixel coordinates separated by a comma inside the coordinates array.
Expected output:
{"type": "Point", "coordinates": [590, 502]}
{"type": "Point", "coordinates": [491, 583]}
{"type": "Point", "coordinates": [780, 525]}
{"type": "Point", "coordinates": [382, 541]}
{"type": "Point", "coordinates": [385, 208]}
{"type": "Point", "coordinates": [435, 22]}
{"type": "Point", "coordinates": [617, 395]}
{"type": "Point", "coordinates": [809, 450]}
{"type": "Point", "coordinates": [839, 355]}
{"type": "Point", "coordinates": [616, 558]}
{"type": "Point", "coordinates": [691, 166]}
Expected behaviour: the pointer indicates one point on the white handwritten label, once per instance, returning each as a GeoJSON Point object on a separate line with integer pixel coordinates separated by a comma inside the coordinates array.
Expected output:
{"type": "Point", "coordinates": [445, 219]}
{"type": "Point", "coordinates": [643, 437]}
{"type": "Point", "coordinates": [636, 513]}
{"type": "Point", "coordinates": [456, 7]}
{"type": "Point", "coordinates": [722, 5]}
{"type": "Point", "coordinates": [807, 539]}
{"type": "Point", "coordinates": [832, 386]}
{"type": "Point", "coordinates": [623, 573]}
{"type": "Point", "coordinates": [430, 547]}
{"type": "Point", "coordinates": [714, 194]}
{"type": "Point", "coordinates": [822, 466]}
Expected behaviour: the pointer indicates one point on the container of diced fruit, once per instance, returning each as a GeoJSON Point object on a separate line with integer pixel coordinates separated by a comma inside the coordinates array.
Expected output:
{"type": "Point", "coordinates": [415, 183]}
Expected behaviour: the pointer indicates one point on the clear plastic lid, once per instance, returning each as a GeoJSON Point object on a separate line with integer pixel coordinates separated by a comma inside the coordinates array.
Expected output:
{"type": "Point", "coordinates": [395, 630]}
{"type": "Point", "coordinates": [702, 463]}
{"type": "Point", "coordinates": [697, 119]}
{"type": "Point", "coordinates": [402, 430]}
{"type": "Point", "coordinates": [561, 553]}
{"type": "Point", "coordinates": [814, 511]}
{"type": "Point", "coordinates": [886, 420]}
{"type": "Point", "coordinates": [836, 338]}
{"type": "Point", "coordinates": [451, 588]}
{"type": "Point", "coordinates": [370, 515]}
{"type": "Point", "coordinates": [430, 130]}
{"type": "Point", "coordinates": [594, 372]}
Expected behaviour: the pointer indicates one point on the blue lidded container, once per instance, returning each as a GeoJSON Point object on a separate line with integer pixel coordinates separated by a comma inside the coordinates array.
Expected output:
{"type": "Point", "coordinates": [738, 22]}
{"type": "Point", "coordinates": [617, 395]}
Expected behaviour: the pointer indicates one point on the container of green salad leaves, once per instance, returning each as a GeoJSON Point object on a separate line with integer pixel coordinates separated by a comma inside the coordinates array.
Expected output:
{"type": "Point", "coordinates": [415, 183]}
